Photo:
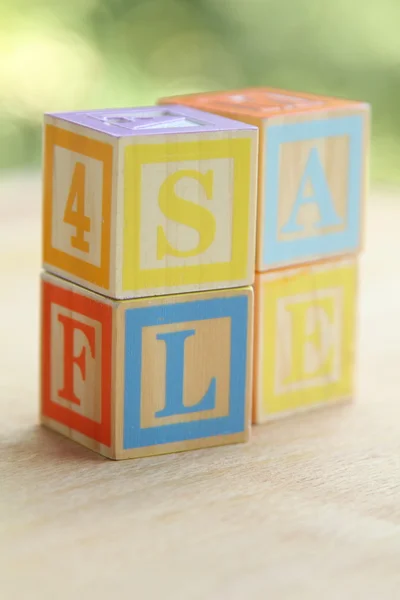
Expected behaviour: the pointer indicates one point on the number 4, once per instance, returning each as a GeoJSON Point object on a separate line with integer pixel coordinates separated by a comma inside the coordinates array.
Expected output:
{"type": "Point", "coordinates": [76, 216]}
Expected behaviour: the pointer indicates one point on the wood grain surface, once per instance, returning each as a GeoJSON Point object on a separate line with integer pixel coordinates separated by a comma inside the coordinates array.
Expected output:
{"type": "Point", "coordinates": [309, 509]}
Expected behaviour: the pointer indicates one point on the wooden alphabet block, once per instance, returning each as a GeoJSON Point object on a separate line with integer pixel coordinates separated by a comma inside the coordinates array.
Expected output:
{"type": "Point", "coordinates": [148, 201]}
{"type": "Point", "coordinates": [312, 170]}
{"type": "Point", "coordinates": [142, 377]}
{"type": "Point", "coordinates": [304, 337]}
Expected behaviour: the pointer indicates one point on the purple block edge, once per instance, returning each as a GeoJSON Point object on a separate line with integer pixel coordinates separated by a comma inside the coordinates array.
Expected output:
{"type": "Point", "coordinates": [212, 122]}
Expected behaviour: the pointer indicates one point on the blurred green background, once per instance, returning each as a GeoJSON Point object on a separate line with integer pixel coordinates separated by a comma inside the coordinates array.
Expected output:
{"type": "Point", "coordinates": [81, 54]}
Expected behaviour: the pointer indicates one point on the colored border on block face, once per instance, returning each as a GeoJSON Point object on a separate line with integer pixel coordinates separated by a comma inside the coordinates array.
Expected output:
{"type": "Point", "coordinates": [100, 151]}
{"type": "Point", "coordinates": [236, 308]}
{"type": "Point", "coordinates": [277, 252]}
{"type": "Point", "coordinates": [51, 294]}
{"type": "Point", "coordinates": [325, 280]}
{"type": "Point", "coordinates": [137, 279]}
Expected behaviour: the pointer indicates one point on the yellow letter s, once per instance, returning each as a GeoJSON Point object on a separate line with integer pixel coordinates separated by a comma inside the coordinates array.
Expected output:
{"type": "Point", "coordinates": [187, 213]}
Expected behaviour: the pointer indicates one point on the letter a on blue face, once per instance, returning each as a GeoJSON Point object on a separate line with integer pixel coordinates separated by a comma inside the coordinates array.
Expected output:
{"type": "Point", "coordinates": [333, 232]}
{"type": "Point", "coordinates": [174, 344]}
{"type": "Point", "coordinates": [321, 196]}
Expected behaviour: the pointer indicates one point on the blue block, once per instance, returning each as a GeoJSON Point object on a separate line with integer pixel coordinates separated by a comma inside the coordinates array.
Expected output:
{"type": "Point", "coordinates": [237, 308]}
{"type": "Point", "coordinates": [346, 238]}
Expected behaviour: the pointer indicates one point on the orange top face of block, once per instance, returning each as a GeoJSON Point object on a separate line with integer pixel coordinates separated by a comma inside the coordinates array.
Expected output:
{"type": "Point", "coordinates": [259, 103]}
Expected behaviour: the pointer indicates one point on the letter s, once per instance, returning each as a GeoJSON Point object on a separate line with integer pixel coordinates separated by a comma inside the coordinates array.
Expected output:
{"type": "Point", "coordinates": [187, 213]}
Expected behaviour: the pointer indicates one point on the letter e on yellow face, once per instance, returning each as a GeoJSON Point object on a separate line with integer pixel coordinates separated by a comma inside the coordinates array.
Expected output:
{"type": "Point", "coordinates": [189, 213]}
{"type": "Point", "coordinates": [304, 353]}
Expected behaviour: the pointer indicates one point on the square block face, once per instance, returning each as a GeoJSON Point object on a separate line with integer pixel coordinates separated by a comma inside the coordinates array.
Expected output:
{"type": "Point", "coordinates": [187, 368]}
{"type": "Point", "coordinates": [189, 214]}
{"type": "Point", "coordinates": [77, 205]}
{"type": "Point", "coordinates": [314, 188]}
{"type": "Point", "coordinates": [305, 323]}
{"type": "Point", "coordinates": [76, 363]}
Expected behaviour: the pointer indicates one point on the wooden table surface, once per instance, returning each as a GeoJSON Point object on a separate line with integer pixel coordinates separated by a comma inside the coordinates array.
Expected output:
{"type": "Point", "coordinates": [309, 509]}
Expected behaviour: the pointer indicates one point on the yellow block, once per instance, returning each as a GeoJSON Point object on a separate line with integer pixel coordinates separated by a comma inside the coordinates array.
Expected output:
{"type": "Point", "coordinates": [305, 334]}
{"type": "Point", "coordinates": [185, 184]}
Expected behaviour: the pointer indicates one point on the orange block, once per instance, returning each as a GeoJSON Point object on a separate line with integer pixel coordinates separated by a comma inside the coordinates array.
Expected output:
{"type": "Point", "coordinates": [251, 104]}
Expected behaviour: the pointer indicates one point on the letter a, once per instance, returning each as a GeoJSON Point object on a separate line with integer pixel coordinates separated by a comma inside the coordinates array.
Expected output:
{"type": "Point", "coordinates": [321, 196]}
{"type": "Point", "coordinates": [174, 377]}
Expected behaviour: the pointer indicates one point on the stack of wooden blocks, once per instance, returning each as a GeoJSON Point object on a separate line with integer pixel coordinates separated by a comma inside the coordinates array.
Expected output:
{"type": "Point", "coordinates": [158, 224]}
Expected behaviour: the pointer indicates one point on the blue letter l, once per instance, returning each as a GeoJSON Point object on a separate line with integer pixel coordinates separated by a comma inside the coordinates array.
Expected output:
{"type": "Point", "coordinates": [174, 377]}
